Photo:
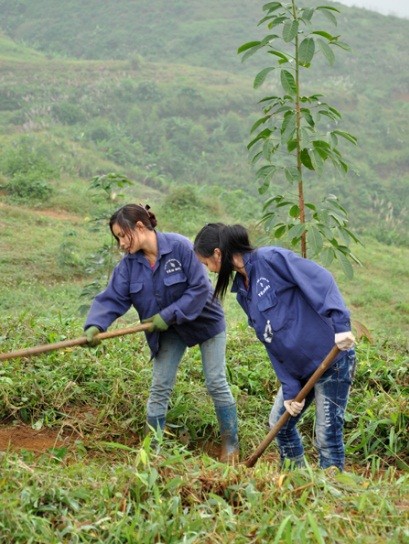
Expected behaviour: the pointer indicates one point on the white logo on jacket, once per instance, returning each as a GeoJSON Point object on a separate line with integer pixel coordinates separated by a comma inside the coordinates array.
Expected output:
{"type": "Point", "coordinates": [262, 286]}
{"type": "Point", "coordinates": [172, 266]}
{"type": "Point", "coordinates": [268, 333]}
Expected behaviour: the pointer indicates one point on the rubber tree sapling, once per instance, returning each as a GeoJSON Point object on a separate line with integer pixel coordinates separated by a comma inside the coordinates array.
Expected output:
{"type": "Point", "coordinates": [292, 136]}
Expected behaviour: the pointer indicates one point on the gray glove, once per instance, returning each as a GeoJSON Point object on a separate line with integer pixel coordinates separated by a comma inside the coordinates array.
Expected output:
{"type": "Point", "coordinates": [294, 408]}
{"type": "Point", "coordinates": [344, 340]}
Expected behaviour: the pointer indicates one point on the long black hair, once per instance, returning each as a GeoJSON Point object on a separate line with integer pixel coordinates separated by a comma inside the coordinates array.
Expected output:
{"type": "Point", "coordinates": [127, 217]}
{"type": "Point", "coordinates": [231, 240]}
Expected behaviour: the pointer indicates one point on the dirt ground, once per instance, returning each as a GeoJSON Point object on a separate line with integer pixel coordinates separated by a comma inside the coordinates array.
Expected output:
{"type": "Point", "coordinates": [15, 438]}
{"type": "Point", "coordinates": [23, 437]}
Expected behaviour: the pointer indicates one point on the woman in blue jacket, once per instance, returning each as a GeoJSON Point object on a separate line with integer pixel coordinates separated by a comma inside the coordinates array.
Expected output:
{"type": "Point", "coordinates": [298, 313]}
{"type": "Point", "coordinates": [162, 278]}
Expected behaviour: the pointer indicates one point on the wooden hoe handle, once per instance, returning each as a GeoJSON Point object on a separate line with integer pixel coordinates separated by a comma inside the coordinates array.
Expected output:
{"type": "Point", "coordinates": [326, 363]}
{"type": "Point", "coordinates": [74, 342]}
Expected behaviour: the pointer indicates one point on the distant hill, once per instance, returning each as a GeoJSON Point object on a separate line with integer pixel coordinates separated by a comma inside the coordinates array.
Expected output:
{"type": "Point", "coordinates": [180, 103]}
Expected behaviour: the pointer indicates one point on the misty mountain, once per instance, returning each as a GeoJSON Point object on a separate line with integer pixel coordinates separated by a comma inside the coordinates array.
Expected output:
{"type": "Point", "coordinates": [179, 107]}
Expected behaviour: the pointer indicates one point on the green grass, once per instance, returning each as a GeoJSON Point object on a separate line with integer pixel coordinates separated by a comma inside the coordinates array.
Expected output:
{"type": "Point", "coordinates": [176, 497]}
{"type": "Point", "coordinates": [104, 484]}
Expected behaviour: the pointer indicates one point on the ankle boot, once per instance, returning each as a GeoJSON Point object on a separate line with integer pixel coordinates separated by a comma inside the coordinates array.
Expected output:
{"type": "Point", "coordinates": [227, 417]}
{"type": "Point", "coordinates": [157, 423]}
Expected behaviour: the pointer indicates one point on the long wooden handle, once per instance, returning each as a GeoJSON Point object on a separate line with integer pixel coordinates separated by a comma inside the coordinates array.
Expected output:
{"type": "Point", "coordinates": [73, 342]}
{"type": "Point", "coordinates": [326, 363]}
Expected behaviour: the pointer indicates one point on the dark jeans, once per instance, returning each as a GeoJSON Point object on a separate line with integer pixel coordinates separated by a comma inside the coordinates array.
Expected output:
{"type": "Point", "coordinates": [331, 397]}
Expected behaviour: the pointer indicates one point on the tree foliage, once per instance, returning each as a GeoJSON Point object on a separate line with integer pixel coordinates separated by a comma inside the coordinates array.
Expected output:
{"type": "Point", "coordinates": [298, 134]}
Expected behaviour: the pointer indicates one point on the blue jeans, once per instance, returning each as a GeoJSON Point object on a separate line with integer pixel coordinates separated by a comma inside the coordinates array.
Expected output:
{"type": "Point", "coordinates": [331, 397]}
{"type": "Point", "coordinates": [166, 363]}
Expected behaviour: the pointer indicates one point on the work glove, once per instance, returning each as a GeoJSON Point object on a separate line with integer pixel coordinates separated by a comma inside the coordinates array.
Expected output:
{"type": "Point", "coordinates": [294, 408]}
{"type": "Point", "coordinates": [156, 323]}
{"type": "Point", "coordinates": [344, 340]}
{"type": "Point", "coordinates": [90, 335]}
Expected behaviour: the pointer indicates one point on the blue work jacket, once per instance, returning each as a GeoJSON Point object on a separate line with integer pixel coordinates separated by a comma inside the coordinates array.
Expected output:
{"type": "Point", "coordinates": [295, 307]}
{"type": "Point", "coordinates": [177, 287]}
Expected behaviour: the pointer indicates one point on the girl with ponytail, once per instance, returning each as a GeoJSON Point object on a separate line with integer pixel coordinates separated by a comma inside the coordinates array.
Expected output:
{"type": "Point", "coordinates": [298, 313]}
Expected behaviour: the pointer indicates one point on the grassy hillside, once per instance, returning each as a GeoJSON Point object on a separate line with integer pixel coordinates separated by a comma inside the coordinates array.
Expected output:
{"type": "Point", "coordinates": [75, 465]}
{"type": "Point", "coordinates": [165, 116]}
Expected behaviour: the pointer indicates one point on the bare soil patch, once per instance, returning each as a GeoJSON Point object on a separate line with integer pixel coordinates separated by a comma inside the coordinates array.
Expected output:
{"type": "Point", "coordinates": [22, 437]}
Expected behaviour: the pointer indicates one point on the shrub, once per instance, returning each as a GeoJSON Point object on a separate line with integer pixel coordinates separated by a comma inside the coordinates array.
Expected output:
{"type": "Point", "coordinates": [29, 187]}
{"type": "Point", "coordinates": [67, 113]}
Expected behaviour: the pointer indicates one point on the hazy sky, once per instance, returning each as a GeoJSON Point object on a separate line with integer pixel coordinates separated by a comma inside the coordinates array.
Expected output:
{"type": "Point", "coordinates": [400, 8]}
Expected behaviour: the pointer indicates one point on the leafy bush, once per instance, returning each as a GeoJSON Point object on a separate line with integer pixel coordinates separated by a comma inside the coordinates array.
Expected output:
{"type": "Point", "coordinates": [67, 113]}
{"type": "Point", "coordinates": [28, 156]}
{"type": "Point", "coordinates": [29, 187]}
{"type": "Point", "coordinates": [99, 130]}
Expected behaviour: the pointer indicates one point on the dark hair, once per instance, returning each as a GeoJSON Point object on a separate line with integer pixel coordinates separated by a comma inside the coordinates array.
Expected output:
{"type": "Point", "coordinates": [127, 217]}
{"type": "Point", "coordinates": [230, 239]}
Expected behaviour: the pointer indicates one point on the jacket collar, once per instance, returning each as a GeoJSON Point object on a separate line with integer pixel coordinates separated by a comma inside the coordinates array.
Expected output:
{"type": "Point", "coordinates": [164, 248]}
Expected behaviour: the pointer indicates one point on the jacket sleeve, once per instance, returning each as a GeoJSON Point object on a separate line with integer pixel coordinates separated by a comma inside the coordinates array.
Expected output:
{"type": "Point", "coordinates": [317, 286]}
{"type": "Point", "coordinates": [111, 303]}
{"type": "Point", "coordinates": [190, 305]}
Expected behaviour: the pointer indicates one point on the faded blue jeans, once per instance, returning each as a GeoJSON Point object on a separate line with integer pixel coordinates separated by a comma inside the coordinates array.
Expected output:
{"type": "Point", "coordinates": [165, 366]}
{"type": "Point", "coordinates": [331, 397]}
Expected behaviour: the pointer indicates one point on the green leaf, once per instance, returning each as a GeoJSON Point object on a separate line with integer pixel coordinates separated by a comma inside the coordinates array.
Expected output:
{"type": "Point", "coordinates": [259, 122]}
{"type": "Point", "coordinates": [329, 8]}
{"type": "Point", "coordinates": [248, 45]}
{"type": "Point", "coordinates": [290, 30]}
{"type": "Point", "coordinates": [305, 112]}
{"type": "Point", "coordinates": [250, 53]}
{"type": "Point", "coordinates": [272, 6]}
{"type": "Point", "coordinates": [317, 160]}
{"type": "Point", "coordinates": [278, 233]}
{"type": "Point", "coordinates": [306, 159]}
{"type": "Point", "coordinates": [291, 145]}
{"type": "Point", "coordinates": [327, 256]}
{"type": "Point", "coordinates": [327, 51]}
{"type": "Point", "coordinates": [352, 235]}
{"type": "Point", "coordinates": [267, 170]}
{"type": "Point", "coordinates": [261, 76]}
{"type": "Point", "coordinates": [288, 124]}
{"type": "Point", "coordinates": [288, 82]}
{"type": "Point", "coordinates": [345, 265]}
{"type": "Point", "coordinates": [346, 135]}
{"type": "Point", "coordinates": [261, 136]}
{"type": "Point", "coordinates": [322, 148]}
{"type": "Point", "coordinates": [326, 35]}
{"type": "Point", "coordinates": [270, 99]}
{"type": "Point", "coordinates": [263, 188]}
{"type": "Point", "coordinates": [343, 45]}
{"type": "Point", "coordinates": [268, 150]}
{"type": "Point", "coordinates": [296, 231]}
{"type": "Point", "coordinates": [317, 531]}
{"type": "Point", "coordinates": [277, 20]}
{"type": "Point", "coordinates": [292, 174]}
{"type": "Point", "coordinates": [310, 206]}
{"type": "Point", "coordinates": [326, 11]}
{"type": "Point", "coordinates": [306, 51]}
{"type": "Point", "coordinates": [307, 13]}
{"type": "Point", "coordinates": [284, 58]}
{"type": "Point", "coordinates": [327, 114]}
{"type": "Point", "coordinates": [315, 240]}
{"type": "Point", "coordinates": [294, 211]}
{"type": "Point", "coordinates": [276, 199]}
{"type": "Point", "coordinates": [334, 111]}
{"type": "Point", "coordinates": [268, 39]}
